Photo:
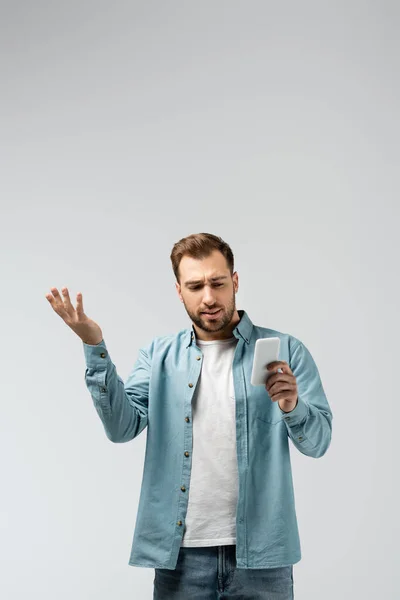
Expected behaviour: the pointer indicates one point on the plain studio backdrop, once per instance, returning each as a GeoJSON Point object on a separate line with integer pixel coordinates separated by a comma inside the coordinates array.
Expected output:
{"type": "Point", "coordinates": [126, 126]}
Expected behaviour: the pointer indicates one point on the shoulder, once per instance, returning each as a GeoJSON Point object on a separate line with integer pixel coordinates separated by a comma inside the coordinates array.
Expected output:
{"type": "Point", "coordinates": [286, 338]}
{"type": "Point", "coordinates": [161, 344]}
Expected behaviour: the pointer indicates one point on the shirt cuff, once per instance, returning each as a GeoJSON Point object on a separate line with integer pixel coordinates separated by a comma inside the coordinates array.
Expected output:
{"type": "Point", "coordinates": [95, 355]}
{"type": "Point", "coordinates": [297, 415]}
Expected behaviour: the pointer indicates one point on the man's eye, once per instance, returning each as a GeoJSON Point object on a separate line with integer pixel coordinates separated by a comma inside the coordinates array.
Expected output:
{"type": "Point", "coordinates": [215, 285]}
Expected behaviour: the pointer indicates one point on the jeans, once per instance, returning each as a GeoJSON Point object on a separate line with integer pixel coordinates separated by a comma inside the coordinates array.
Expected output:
{"type": "Point", "coordinates": [209, 573]}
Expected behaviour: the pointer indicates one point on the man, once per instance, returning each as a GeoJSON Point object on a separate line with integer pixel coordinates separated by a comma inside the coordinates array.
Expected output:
{"type": "Point", "coordinates": [216, 513]}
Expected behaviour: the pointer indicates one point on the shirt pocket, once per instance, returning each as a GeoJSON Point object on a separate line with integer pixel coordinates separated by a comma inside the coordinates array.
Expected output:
{"type": "Point", "coordinates": [273, 417]}
{"type": "Point", "coordinates": [262, 408]}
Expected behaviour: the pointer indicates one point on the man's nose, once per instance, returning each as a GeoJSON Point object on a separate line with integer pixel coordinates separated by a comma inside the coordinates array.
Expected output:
{"type": "Point", "coordinates": [208, 297]}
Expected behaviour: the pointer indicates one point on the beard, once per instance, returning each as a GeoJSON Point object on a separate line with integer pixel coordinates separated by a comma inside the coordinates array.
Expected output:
{"type": "Point", "coordinates": [218, 324]}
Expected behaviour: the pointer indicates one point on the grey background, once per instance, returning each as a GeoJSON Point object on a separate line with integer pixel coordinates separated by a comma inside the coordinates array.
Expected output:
{"type": "Point", "coordinates": [128, 125]}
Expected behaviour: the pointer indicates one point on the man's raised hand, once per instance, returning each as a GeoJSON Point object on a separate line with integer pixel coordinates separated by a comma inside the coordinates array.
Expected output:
{"type": "Point", "coordinates": [85, 328]}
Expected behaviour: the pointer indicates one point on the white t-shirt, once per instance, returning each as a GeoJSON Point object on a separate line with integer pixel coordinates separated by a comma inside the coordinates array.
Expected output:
{"type": "Point", "coordinates": [213, 490]}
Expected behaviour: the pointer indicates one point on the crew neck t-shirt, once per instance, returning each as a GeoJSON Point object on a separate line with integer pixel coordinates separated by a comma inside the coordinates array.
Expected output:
{"type": "Point", "coordinates": [213, 490]}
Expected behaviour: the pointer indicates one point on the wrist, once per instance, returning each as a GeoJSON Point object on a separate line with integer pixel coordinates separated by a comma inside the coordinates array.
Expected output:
{"type": "Point", "coordinates": [287, 407]}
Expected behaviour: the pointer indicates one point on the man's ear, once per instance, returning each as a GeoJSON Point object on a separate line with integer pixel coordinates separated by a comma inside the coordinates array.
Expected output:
{"type": "Point", "coordinates": [235, 281]}
{"type": "Point", "coordinates": [178, 289]}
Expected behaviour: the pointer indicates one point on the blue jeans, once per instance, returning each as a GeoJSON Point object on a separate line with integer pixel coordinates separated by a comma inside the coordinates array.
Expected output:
{"type": "Point", "coordinates": [209, 573]}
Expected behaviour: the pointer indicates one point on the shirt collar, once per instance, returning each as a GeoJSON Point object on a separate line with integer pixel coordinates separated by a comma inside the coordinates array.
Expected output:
{"type": "Point", "coordinates": [243, 329]}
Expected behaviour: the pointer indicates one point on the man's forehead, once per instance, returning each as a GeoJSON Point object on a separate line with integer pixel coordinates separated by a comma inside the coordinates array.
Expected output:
{"type": "Point", "coordinates": [196, 270]}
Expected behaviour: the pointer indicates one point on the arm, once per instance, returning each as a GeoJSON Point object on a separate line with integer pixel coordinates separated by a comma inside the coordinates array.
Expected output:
{"type": "Point", "coordinates": [121, 407]}
{"type": "Point", "coordinates": [309, 424]}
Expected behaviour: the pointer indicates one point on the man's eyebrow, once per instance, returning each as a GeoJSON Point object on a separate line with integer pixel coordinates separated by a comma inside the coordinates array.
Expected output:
{"type": "Point", "coordinates": [216, 278]}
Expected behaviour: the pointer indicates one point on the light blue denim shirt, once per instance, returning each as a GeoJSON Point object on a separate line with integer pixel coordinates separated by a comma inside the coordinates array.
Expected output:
{"type": "Point", "coordinates": [158, 394]}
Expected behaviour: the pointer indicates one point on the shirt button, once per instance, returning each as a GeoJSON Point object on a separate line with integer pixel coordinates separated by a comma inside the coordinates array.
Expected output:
{"type": "Point", "coordinates": [103, 354]}
{"type": "Point", "coordinates": [183, 488]}
{"type": "Point", "coordinates": [186, 453]}
{"type": "Point", "coordinates": [190, 384]}
{"type": "Point", "coordinates": [179, 523]}
{"type": "Point", "coordinates": [300, 438]}
{"type": "Point", "coordinates": [198, 357]}
{"type": "Point", "coordinates": [187, 419]}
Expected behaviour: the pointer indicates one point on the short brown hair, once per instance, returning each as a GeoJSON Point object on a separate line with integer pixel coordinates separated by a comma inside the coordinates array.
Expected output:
{"type": "Point", "coordinates": [200, 245]}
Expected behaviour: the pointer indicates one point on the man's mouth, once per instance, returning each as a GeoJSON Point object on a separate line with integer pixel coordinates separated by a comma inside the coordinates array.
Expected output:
{"type": "Point", "coordinates": [211, 314]}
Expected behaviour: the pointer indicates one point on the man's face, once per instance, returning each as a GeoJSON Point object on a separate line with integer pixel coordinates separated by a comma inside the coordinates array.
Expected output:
{"type": "Point", "coordinates": [206, 285]}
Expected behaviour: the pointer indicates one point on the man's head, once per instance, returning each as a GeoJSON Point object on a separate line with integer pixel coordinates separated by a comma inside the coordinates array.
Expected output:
{"type": "Point", "coordinates": [203, 266]}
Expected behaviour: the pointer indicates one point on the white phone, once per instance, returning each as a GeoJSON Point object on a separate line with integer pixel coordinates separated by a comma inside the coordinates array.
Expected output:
{"type": "Point", "coordinates": [266, 351]}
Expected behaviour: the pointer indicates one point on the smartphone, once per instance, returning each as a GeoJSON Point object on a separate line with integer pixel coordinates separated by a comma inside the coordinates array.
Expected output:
{"type": "Point", "coordinates": [266, 351]}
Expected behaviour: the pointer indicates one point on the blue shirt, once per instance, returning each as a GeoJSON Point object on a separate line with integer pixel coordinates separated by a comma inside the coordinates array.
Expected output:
{"type": "Point", "coordinates": [158, 393]}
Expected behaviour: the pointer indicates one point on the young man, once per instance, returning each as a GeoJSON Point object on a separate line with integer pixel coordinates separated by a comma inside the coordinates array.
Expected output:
{"type": "Point", "coordinates": [216, 511]}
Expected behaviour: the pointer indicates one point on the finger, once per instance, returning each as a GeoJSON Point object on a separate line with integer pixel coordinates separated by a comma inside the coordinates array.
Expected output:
{"type": "Point", "coordinates": [284, 387]}
{"type": "Point", "coordinates": [287, 381]}
{"type": "Point", "coordinates": [79, 304]}
{"type": "Point", "coordinates": [283, 396]}
{"type": "Point", "coordinates": [67, 300]}
{"type": "Point", "coordinates": [279, 364]}
{"type": "Point", "coordinates": [54, 298]}
{"type": "Point", "coordinates": [279, 377]}
{"type": "Point", "coordinates": [56, 302]}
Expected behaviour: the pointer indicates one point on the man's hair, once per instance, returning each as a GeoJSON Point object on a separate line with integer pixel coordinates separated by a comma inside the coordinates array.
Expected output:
{"type": "Point", "coordinates": [200, 245]}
